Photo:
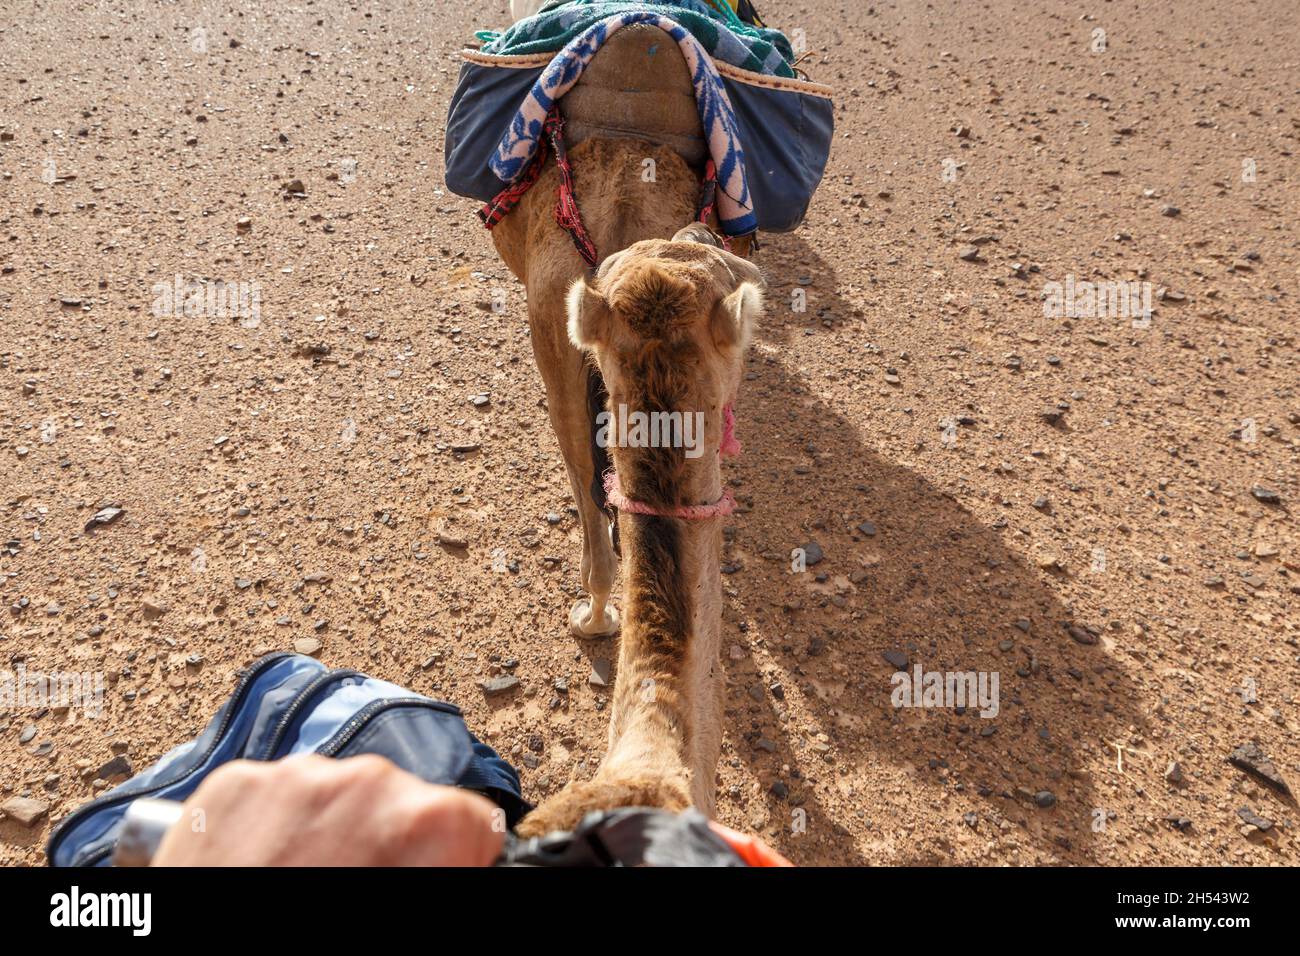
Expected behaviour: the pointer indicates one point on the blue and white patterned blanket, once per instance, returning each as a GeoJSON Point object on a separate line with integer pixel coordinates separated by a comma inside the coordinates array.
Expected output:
{"type": "Point", "coordinates": [517, 147]}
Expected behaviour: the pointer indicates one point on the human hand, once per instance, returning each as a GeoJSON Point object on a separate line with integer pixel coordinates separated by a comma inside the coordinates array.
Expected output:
{"type": "Point", "coordinates": [313, 811]}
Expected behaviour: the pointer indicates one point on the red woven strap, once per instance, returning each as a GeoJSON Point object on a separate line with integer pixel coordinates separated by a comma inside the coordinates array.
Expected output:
{"type": "Point", "coordinates": [708, 199]}
{"type": "Point", "coordinates": [504, 202]}
{"type": "Point", "coordinates": [567, 214]}
{"type": "Point", "coordinates": [566, 203]}
{"type": "Point", "coordinates": [710, 193]}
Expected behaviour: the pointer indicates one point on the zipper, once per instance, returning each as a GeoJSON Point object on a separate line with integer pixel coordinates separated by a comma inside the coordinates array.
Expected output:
{"type": "Point", "coordinates": [305, 696]}
{"type": "Point", "coordinates": [259, 667]}
{"type": "Point", "coordinates": [343, 736]}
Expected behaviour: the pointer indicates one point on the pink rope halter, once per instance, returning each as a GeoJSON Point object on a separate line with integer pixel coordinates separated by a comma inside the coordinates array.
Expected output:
{"type": "Point", "coordinates": [724, 506]}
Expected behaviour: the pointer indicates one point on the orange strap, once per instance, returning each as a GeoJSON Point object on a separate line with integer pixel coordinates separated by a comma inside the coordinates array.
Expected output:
{"type": "Point", "coordinates": [749, 848]}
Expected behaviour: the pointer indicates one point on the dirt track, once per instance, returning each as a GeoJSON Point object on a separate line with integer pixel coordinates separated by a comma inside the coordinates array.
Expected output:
{"type": "Point", "coordinates": [284, 479]}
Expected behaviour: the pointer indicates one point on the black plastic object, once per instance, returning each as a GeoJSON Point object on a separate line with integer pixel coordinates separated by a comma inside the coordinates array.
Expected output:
{"type": "Point", "coordinates": [626, 837]}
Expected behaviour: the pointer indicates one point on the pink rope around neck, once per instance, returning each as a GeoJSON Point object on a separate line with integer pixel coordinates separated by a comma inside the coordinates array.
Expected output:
{"type": "Point", "coordinates": [719, 509]}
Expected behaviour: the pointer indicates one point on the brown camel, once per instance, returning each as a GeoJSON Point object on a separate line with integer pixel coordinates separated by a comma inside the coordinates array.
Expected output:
{"type": "Point", "coordinates": [665, 318]}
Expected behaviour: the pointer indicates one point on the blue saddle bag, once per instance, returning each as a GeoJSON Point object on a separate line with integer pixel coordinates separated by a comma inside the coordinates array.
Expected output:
{"type": "Point", "coordinates": [288, 704]}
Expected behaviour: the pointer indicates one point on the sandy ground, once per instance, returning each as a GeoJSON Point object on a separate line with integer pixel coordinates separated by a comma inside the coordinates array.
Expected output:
{"type": "Point", "coordinates": [980, 476]}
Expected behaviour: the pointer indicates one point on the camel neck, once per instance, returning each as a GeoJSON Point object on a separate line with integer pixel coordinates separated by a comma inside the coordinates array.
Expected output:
{"type": "Point", "coordinates": [672, 603]}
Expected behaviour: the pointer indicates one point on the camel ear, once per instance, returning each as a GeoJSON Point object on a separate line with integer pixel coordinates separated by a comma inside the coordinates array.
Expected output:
{"type": "Point", "coordinates": [734, 317]}
{"type": "Point", "coordinates": [588, 315]}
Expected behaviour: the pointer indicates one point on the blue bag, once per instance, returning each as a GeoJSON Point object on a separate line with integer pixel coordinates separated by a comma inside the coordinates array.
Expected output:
{"type": "Point", "coordinates": [289, 704]}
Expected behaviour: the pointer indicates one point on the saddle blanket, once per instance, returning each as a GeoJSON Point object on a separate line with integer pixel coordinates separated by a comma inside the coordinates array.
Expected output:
{"type": "Point", "coordinates": [767, 132]}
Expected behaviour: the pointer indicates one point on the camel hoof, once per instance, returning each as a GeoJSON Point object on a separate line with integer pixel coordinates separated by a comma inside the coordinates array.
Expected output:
{"type": "Point", "coordinates": [582, 625]}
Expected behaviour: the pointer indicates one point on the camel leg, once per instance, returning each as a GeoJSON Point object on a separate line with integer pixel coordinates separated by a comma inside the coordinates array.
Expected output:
{"type": "Point", "coordinates": [564, 374]}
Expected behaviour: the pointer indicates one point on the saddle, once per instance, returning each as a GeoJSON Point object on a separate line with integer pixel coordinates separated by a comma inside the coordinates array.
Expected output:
{"type": "Point", "coordinates": [675, 72]}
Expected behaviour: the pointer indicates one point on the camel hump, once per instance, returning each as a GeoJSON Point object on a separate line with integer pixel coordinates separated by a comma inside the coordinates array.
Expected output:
{"type": "Point", "coordinates": [637, 85]}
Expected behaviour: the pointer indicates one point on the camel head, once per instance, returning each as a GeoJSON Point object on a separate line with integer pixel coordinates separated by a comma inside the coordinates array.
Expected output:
{"type": "Point", "coordinates": [668, 322]}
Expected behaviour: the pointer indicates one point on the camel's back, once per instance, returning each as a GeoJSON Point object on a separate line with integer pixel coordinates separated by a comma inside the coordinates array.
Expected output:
{"type": "Point", "coordinates": [637, 85]}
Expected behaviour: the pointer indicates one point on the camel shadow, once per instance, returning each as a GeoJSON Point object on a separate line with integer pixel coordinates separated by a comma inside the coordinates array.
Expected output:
{"type": "Point", "coordinates": [909, 572]}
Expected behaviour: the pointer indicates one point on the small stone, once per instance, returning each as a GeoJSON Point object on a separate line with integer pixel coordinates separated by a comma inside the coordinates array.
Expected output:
{"type": "Point", "coordinates": [307, 645]}
{"type": "Point", "coordinates": [499, 685]}
{"type": "Point", "coordinates": [28, 733]}
{"type": "Point", "coordinates": [812, 553]}
{"type": "Point", "coordinates": [969, 254]}
{"type": "Point", "coordinates": [1251, 759]}
{"type": "Point", "coordinates": [1255, 820]}
{"type": "Point", "coordinates": [119, 766]}
{"type": "Point", "coordinates": [1082, 634]}
{"type": "Point", "coordinates": [1266, 495]}
{"type": "Point", "coordinates": [105, 516]}
{"type": "Point", "coordinates": [1174, 773]}
{"type": "Point", "coordinates": [243, 224]}
{"type": "Point", "coordinates": [153, 609]}
{"type": "Point", "coordinates": [1045, 799]}
{"type": "Point", "coordinates": [1170, 211]}
{"type": "Point", "coordinates": [896, 659]}
{"type": "Point", "coordinates": [25, 810]}
{"type": "Point", "coordinates": [868, 529]}
{"type": "Point", "coordinates": [601, 668]}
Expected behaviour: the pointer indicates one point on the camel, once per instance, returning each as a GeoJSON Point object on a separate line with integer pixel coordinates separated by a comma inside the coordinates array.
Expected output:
{"type": "Point", "coordinates": [661, 326]}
